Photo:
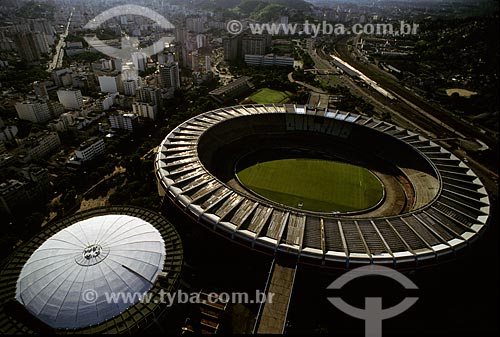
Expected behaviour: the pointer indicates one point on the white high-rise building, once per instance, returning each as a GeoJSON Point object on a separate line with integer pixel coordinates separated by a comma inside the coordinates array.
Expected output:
{"type": "Point", "coordinates": [201, 41]}
{"type": "Point", "coordinates": [140, 60]}
{"type": "Point", "coordinates": [145, 110]}
{"type": "Point", "coordinates": [208, 64]}
{"type": "Point", "coordinates": [148, 94]}
{"type": "Point", "coordinates": [70, 99]}
{"type": "Point", "coordinates": [110, 84]}
{"type": "Point", "coordinates": [130, 87]}
{"type": "Point", "coordinates": [34, 111]}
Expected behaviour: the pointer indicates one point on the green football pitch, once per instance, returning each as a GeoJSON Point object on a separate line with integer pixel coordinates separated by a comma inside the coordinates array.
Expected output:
{"type": "Point", "coordinates": [266, 95]}
{"type": "Point", "coordinates": [314, 184]}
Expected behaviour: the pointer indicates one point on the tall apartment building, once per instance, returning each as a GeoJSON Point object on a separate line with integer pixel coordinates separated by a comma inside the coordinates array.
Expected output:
{"type": "Point", "coordinates": [140, 60]}
{"type": "Point", "coordinates": [41, 43]}
{"type": "Point", "coordinates": [130, 87]}
{"type": "Point", "coordinates": [123, 121]}
{"type": "Point", "coordinates": [43, 26]}
{"type": "Point", "coordinates": [238, 46]}
{"type": "Point", "coordinates": [145, 110]}
{"type": "Point", "coordinates": [232, 47]}
{"type": "Point", "coordinates": [255, 44]}
{"type": "Point", "coordinates": [110, 83]}
{"type": "Point", "coordinates": [195, 24]}
{"type": "Point", "coordinates": [170, 76]}
{"type": "Point", "coordinates": [149, 94]}
{"type": "Point", "coordinates": [40, 89]}
{"type": "Point", "coordinates": [38, 111]}
{"type": "Point", "coordinates": [27, 47]}
{"type": "Point", "coordinates": [70, 98]}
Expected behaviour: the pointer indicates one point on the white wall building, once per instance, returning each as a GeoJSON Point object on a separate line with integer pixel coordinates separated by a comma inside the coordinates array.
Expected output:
{"type": "Point", "coordinates": [145, 110]}
{"type": "Point", "coordinates": [109, 84]}
{"type": "Point", "coordinates": [34, 111]}
{"type": "Point", "coordinates": [269, 60]}
{"type": "Point", "coordinates": [140, 60]}
{"type": "Point", "coordinates": [107, 102]}
{"type": "Point", "coordinates": [70, 99]}
{"type": "Point", "coordinates": [90, 149]}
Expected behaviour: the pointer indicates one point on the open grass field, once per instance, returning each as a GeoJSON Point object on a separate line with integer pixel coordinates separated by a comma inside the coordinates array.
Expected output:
{"type": "Point", "coordinates": [314, 184]}
{"type": "Point", "coordinates": [267, 95]}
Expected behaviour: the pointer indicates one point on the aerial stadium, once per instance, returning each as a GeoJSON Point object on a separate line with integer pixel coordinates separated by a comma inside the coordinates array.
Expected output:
{"type": "Point", "coordinates": [58, 281]}
{"type": "Point", "coordinates": [328, 187]}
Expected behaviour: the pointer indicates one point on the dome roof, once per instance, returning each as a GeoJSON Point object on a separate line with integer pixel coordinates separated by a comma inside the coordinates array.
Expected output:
{"type": "Point", "coordinates": [68, 280]}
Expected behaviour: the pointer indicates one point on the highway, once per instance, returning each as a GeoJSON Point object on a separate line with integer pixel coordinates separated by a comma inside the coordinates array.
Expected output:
{"type": "Point", "coordinates": [59, 54]}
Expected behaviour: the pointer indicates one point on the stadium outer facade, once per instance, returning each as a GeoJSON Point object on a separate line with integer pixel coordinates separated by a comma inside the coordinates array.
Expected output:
{"type": "Point", "coordinates": [445, 204]}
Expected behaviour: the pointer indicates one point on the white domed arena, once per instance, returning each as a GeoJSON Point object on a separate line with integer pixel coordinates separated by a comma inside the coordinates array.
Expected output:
{"type": "Point", "coordinates": [63, 279]}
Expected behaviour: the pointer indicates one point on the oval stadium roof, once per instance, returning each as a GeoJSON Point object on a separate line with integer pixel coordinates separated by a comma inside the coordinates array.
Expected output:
{"type": "Point", "coordinates": [67, 281]}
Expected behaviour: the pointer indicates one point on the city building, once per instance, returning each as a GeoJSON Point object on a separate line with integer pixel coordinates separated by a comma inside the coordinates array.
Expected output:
{"type": "Point", "coordinates": [7, 159]}
{"type": "Point", "coordinates": [42, 25]}
{"type": "Point", "coordinates": [149, 94]}
{"type": "Point", "coordinates": [231, 47]}
{"type": "Point", "coordinates": [40, 89]}
{"type": "Point", "coordinates": [255, 44]}
{"type": "Point", "coordinates": [140, 60]}
{"type": "Point", "coordinates": [12, 195]}
{"type": "Point", "coordinates": [145, 110]}
{"type": "Point", "coordinates": [110, 84]}
{"type": "Point", "coordinates": [107, 102]}
{"type": "Point", "coordinates": [201, 41]}
{"type": "Point", "coordinates": [62, 77]}
{"type": "Point", "coordinates": [27, 47]}
{"type": "Point", "coordinates": [130, 87]}
{"type": "Point", "coordinates": [170, 76]}
{"type": "Point", "coordinates": [42, 44]}
{"type": "Point", "coordinates": [238, 46]}
{"type": "Point", "coordinates": [41, 144]}
{"type": "Point", "coordinates": [208, 64]}
{"type": "Point", "coordinates": [232, 90]}
{"type": "Point", "coordinates": [36, 111]}
{"type": "Point", "coordinates": [195, 24]}
{"type": "Point", "coordinates": [57, 125]}
{"type": "Point", "coordinates": [8, 132]}
{"type": "Point", "coordinates": [70, 98]}
{"type": "Point", "coordinates": [269, 60]}
{"type": "Point", "coordinates": [90, 149]}
{"type": "Point", "coordinates": [123, 121]}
